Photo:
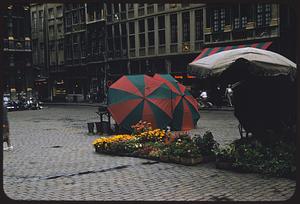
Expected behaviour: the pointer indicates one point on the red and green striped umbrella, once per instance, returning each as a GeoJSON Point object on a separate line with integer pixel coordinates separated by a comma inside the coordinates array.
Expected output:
{"type": "Point", "coordinates": [139, 97]}
{"type": "Point", "coordinates": [184, 105]}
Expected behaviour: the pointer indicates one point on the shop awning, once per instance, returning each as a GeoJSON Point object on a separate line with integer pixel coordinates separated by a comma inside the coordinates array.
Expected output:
{"type": "Point", "coordinates": [212, 50]}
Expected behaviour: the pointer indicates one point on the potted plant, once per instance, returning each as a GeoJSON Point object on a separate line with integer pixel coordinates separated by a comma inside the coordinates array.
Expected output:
{"type": "Point", "coordinates": [207, 146]}
{"type": "Point", "coordinates": [225, 157]}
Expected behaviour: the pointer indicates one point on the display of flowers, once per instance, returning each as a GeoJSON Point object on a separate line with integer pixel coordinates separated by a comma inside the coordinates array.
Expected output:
{"type": "Point", "coordinates": [116, 138]}
{"type": "Point", "coordinates": [140, 127]}
{"type": "Point", "coordinates": [146, 142]}
{"type": "Point", "coordinates": [152, 135]}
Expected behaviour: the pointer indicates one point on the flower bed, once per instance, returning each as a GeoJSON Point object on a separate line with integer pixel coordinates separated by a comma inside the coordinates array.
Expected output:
{"type": "Point", "coordinates": [159, 144]}
{"type": "Point", "coordinates": [276, 158]}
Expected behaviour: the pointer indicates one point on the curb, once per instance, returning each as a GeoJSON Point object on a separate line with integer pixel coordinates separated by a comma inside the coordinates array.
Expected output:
{"type": "Point", "coordinates": [99, 104]}
{"type": "Point", "coordinates": [75, 104]}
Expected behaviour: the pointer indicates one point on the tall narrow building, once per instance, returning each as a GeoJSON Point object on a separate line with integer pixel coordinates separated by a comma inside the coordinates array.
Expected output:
{"type": "Point", "coordinates": [48, 50]}
{"type": "Point", "coordinates": [18, 72]}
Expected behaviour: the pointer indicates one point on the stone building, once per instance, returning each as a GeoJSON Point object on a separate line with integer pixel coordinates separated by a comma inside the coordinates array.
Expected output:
{"type": "Point", "coordinates": [48, 50]}
{"type": "Point", "coordinates": [18, 72]}
{"type": "Point", "coordinates": [103, 41]}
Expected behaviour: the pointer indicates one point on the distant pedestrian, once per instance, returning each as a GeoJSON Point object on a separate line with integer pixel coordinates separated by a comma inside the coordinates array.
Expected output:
{"type": "Point", "coordinates": [6, 136]}
{"type": "Point", "coordinates": [228, 94]}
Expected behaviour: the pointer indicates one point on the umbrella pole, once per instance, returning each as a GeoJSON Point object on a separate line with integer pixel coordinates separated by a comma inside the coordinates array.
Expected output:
{"type": "Point", "coordinates": [172, 111]}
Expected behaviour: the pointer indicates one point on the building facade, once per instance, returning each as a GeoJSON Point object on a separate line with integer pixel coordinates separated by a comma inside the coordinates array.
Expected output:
{"type": "Point", "coordinates": [153, 38]}
{"type": "Point", "coordinates": [261, 25]}
{"type": "Point", "coordinates": [18, 72]}
{"type": "Point", "coordinates": [103, 41]}
{"type": "Point", "coordinates": [48, 50]}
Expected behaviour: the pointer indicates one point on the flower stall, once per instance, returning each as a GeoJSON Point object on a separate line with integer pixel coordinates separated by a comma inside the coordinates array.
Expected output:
{"type": "Point", "coordinates": [158, 144]}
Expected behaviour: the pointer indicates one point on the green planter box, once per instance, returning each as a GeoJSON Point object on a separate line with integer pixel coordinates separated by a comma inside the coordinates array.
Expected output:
{"type": "Point", "coordinates": [191, 161]}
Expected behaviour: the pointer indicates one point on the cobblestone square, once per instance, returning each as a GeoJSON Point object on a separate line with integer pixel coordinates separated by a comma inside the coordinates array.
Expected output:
{"type": "Point", "coordinates": [53, 159]}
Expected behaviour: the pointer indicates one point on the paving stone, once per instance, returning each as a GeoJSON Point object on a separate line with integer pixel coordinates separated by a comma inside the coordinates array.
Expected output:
{"type": "Point", "coordinates": [52, 148]}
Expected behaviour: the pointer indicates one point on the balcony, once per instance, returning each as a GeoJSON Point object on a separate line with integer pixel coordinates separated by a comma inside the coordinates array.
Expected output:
{"type": "Point", "coordinates": [274, 22]}
{"type": "Point", "coordinates": [186, 47]}
{"type": "Point", "coordinates": [207, 30]}
{"type": "Point", "coordinates": [250, 25]}
{"type": "Point", "coordinates": [16, 45]}
{"type": "Point", "coordinates": [227, 28]}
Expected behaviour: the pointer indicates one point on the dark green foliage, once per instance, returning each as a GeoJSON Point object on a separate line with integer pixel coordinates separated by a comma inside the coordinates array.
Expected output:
{"type": "Point", "coordinates": [250, 155]}
{"type": "Point", "coordinates": [206, 144]}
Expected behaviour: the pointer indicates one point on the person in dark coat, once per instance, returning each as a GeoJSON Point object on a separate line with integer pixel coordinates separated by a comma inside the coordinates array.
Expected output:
{"type": "Point", "coordinates": [6, 136]}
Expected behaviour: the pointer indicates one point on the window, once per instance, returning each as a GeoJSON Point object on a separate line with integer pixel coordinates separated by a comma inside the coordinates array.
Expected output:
{"type": "Point", "coordinates": [82, 45]}
{"type": "Point", "coordinates": [34, 21]}
{"type": "Point", "coordinates": [142, 32]}
{"type": "Point", "coordinates": [124, 43]}
{"type": "Point", "coordinates": [59, 28]}
{"type": "Point", "coordinates": [109, 9]}
{"type": "Point", "coordinates": [161, 7]}
{"type": "Point", "coordinates": [219, 19]}
{"type": "Point", "coordinates": [161, 22]}
{"type": "Point", "coordinates": [173, 21]}
{"type": "Point", "coordinates": [240, 15]}
{"type": "Point", "coordinates": [123, 11]}
{"type": "Point", "coordinates": [59, 11]}
{"type": "Point", "coordinates": [82, 16]}
{"type": "Point", "coordinates": [186, 27]}
{"type": "Point", "coordinates": [141, 9]}
{"type": "Point", "coordinates": [60, 45]}
{"type": "Point", "coordinates": [116, 30]}
{"type": "Point", "coordinates": [116, 8]}
{"type": "Point", "coordinates": [131, 28]}
{"type": "Point", "coordinates": [142, 39]}
{"type": "Point", "coordinates": [150, 22]}
{"type": "Point", "coordinates": [51, 13]}
{"type": "Point", "coordinates": [109, 31]}
{"type": "Point", "coordinates": [51, 30]}
{"type": "Point", "coordinates": [173, 6]}
{"type": "Point", "coordinates": [41, 20]}
{"type": "Point", "coordinates": [123, 29]}
{"type": "Point", "coordinates": [132, 41]}
{"type": "Point", "coordinates": [131, 35]}
{"type": "Point", "coordinates": [263, 14]}
{"type": "Point", "coordinates": [150, 8]}
{"type": "Point", "coordinates": [150, 39]}
{"type": "Point", "coordinates": [141, 26]}
{"type": "Point", "coordinates": [161, 30]}
{"type": "Point", "coordinates": [41, 46]}
{"type": "Point", "coordinates": [75, 18]}
{"type": "Point", "coordinates": [199, 24]}
{"type": "Point", "coordinates": [130, 6]}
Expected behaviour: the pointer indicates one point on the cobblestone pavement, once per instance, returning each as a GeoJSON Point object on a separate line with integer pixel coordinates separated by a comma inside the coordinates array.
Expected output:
{"type": "Point", "coordinates": [53, 159]}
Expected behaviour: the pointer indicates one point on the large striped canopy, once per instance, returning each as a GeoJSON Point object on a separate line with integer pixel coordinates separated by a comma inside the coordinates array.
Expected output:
{"type": "Point", "coordinates": [212, 50]}
{"type": "Point", "coordinates": [184, 105]}
{"type": "Point", "coordinates": [140, 97]}
{"type": "Point", "coordinates": [260, 62]}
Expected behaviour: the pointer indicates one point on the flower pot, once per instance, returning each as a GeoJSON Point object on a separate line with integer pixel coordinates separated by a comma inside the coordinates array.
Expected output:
{"type": "Point", "coordinates": [209, 158]}
{"type": "Point", "coordinates": [164, 158]}
{"type": "Point", "coordinates": [191, 161]}
{"type": "Point", "coordinates": [224, 165]}
{"type": "Point", "coordinates": [175, 159]}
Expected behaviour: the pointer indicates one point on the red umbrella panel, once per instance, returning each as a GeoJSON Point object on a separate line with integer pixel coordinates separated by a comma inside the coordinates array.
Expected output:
{"type": "Point", "coordinates": [140, 97]}
{"type": "Point", "coordinates": [184, 105]}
